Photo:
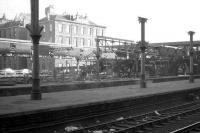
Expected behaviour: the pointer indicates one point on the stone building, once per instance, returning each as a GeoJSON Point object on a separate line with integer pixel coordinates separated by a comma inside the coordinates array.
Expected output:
{"type": "Point", "coordinates": [15, 29]}
{"type": "Point", "coordinates": [66, 30]}
{"type": "Point", "coordinates": [71, 30]}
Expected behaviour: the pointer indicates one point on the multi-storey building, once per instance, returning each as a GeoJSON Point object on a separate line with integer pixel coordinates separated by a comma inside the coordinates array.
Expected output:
{"type": "Point", "coordinates": [68, 30]}
{"type": "Point", "coordinates": [15, 29]}
{"type": "Point", "coordinates": [71, 30]}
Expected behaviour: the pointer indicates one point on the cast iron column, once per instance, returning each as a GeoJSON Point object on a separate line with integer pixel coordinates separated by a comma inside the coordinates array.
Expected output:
{"type": "Point", "coordinates": [191, 78]}
{"type": "Point", "coordinates": [142, 47]}
{"type": "Point", "coordinates": [97, 56]}
{"type": "Point", "coordinates": [35, 31]}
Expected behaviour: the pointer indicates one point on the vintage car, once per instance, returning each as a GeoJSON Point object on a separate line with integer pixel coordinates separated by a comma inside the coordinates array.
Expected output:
{"type": "Point", "coordinates": [23, 76]}
{"type": "Point", "coordinates": [7, 77]}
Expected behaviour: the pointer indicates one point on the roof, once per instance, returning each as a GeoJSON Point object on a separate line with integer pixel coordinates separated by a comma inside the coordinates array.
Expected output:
{"type": "Point", "coordinates": [19, 20]}
{"type": "Point", "coordinates": [11, 24]}
{"type": "Point", "coordinates": [72, 19]}
{"type": "Point", "coordinates": [181, 43]}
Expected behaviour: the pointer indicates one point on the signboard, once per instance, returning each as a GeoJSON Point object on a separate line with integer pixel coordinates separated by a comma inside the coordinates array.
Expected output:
{"type": "Point", "coordinates": [12, 47]}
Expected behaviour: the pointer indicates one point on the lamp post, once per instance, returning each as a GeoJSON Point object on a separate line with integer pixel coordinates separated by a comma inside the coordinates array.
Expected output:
{"type": "Point", "coordinates": [191, 78]}
{"type": "Point", "coordinates": [142, 47]}
{"type": "Point", "coordinates": [35, 31]}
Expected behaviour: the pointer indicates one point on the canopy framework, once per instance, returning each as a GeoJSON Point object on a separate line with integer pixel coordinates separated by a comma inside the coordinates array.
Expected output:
{"type": "Point", "coordinates": [110, 48]}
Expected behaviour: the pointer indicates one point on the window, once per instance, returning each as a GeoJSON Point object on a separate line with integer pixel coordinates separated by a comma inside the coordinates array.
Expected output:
{"type": "Point", "coordinates": [75, 29]}
{"type": "Point", "coordinates": [97, 32]}
{"type": "Point", "coordinates": [14, 32]}
{"type": "Point", "coordinates": [82, 30]}
{"type": "Point", "coordinates": [50, 39]}
{"type": "Point", "coordinates": [89, 42]}
{"type": "Point", "coordinates": [94, 32]}
{"type": "Point", "coordinates": [63, 27]}
{"type": "Point", "coordinates": [102, 32]}
{"type": "Point", "coordinates": [50, 27]}
{"type": "Point", "coordinates": [59, 27]}
{"type": "Point", "coordinates": [67, 29]}
{"type": "Point", "coordinates": [75, 42]}
{"type": "Point", "coordinates": [60, 39]}
{"type": "Point", "coordinates": [82, 42]}
{"type": "Point", "coordinates": [90, 31]}
{"type": "Point", "coordinates": [67, 40]}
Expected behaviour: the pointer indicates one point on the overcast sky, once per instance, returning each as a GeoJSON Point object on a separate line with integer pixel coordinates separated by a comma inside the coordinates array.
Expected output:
{"type": "Point", "coordinates": [168, 20]}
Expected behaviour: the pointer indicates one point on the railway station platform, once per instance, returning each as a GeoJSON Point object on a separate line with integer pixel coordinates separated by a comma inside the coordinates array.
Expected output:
{"type": "Point", "coordinates": [22, 104]}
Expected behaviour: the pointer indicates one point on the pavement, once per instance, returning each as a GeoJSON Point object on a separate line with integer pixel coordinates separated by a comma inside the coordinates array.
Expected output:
{"type": "Point", "coordinates": [23, 104]}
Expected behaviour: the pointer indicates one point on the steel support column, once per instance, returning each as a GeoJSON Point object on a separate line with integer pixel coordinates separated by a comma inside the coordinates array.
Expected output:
{"type": "Point", "coordinates": [191, 78]}
{"type": "Point", "coordinates": [142, 47]}
{"type": "Point", "coordinates": [35, 31]}
{"type": "Point", "coordinates": [97, 56]}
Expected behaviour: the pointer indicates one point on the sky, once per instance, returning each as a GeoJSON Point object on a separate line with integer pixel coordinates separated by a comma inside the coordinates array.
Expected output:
{"type": "Point", "coordinates": [168, 20]}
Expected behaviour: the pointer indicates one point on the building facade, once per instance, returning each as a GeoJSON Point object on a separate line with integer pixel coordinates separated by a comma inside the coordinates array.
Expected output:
{"type": "Point", "coordinates": [15, 29]}
{"type": "Point", "coordinates": [66, 30]}
{"type": "Point", "coordinates": [70, 30]}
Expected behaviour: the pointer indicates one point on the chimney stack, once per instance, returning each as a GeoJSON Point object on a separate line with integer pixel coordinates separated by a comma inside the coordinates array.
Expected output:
{"type": "Point", "coordinates": [49, 11]}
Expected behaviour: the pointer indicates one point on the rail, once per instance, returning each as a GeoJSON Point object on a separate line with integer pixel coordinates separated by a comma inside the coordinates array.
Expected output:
{"type": "Point", "coordinates": [194, 126]}
{"type": "Point", "coordinates": [144, 121]}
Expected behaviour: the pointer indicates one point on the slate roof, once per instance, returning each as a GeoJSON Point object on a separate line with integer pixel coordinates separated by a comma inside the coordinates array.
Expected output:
{"type": "Point", "coordinates": [71, 19]}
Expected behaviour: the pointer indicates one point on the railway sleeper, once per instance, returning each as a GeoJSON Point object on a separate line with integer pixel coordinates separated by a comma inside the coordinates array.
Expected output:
{"type": "Point", "coordinates": [140, 124]}
{"type": "Point", "coordinates": [123, 125]}
{"type": "Point", "coordinates": [193, 132]}
{"type": "Point", "coordinates": [131, 122]}
{"type": "Point", "coordinates": [139, 131]}
{"type": "Point", "coordinates": [117, 127]}
{"type": "Point", "coordinates": [197, 129]}
{"type": "Point", "coordinates": [148, 128]}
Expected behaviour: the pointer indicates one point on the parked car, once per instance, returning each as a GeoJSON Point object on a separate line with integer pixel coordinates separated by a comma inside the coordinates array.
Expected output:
{"type": "Point", "coordinates": [8, 72]}
{"type": "Point", "coordinates": [23, 76]}
{"type": "Point", "coordinates": [7, 77]}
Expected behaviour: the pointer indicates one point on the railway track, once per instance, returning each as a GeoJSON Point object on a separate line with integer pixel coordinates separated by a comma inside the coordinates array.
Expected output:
{"type": "Point", "coordinates": [192, 128]}
{"type": "Point", "coordinates": [92, 117]}
{"type": "Point", "coordinates": [106, 120]}
{"type": "Point", "coordinates": [143, 123]}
